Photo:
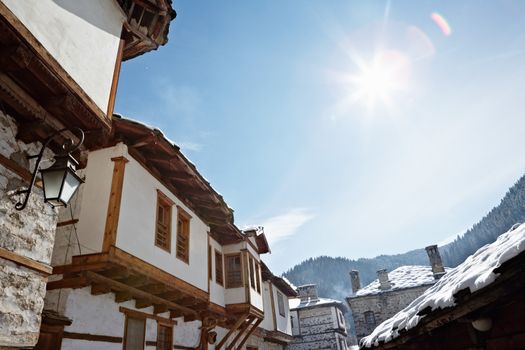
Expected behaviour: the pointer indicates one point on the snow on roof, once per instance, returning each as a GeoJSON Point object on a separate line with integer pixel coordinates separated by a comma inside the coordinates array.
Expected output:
{"type": "Point", "coordinates": [403, 277]}
{"type": "Point", "coordinates": [475, 273]}
{"type": "Point", "coordinates": [289, 283]}
{"type": "Point", "coordinates": [297, 303]}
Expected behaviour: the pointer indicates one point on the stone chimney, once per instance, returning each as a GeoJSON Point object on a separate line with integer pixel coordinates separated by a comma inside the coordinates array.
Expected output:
{"type": "Point", "coordinates": [354, 278]}
{"type": "Point", "coordinates": [384, 283]}
{"type": "Point", "coordinates": [308, 292]}
{"type": "Point", "coordinates": [435, 261]}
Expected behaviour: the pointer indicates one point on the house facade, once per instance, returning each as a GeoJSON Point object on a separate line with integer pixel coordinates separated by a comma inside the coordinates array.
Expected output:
{"type": "Point", "coordinates": [59, 69]}
{"type": "Point", "coordinates": [317, 323]}
{"type": "Point", "coordinates": [391, 292]}
{"type": "Point", "coordinates": [148, 255]}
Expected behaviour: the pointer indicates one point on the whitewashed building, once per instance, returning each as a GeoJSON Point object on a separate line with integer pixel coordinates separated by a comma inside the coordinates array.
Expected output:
{"type": "Point", "coordinates": [59, 69]}
{"type": "Point", "coordinates": [149, 256]}
{"type": "Point", "coordinates": [317, 323]}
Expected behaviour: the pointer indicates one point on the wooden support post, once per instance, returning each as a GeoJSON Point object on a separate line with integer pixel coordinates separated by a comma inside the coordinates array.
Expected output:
{"type": "Point", "coordinates": [241, 331]}
{"type": "Point", "coordinates": [254, 327]}
{"type": "Point", "coordinates": [115, 197]}
{"type": "Point", "coordinates": [230, 332]}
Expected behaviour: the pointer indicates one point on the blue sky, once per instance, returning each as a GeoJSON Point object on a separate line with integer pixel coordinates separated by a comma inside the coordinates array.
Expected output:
{"type": "Point", "coordinates": [346, 128]}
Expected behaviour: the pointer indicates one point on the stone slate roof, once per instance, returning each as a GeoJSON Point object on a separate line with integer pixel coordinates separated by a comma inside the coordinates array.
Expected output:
{"type": "Point", "coordinates": [296, 304]}
{"type": "Point", "coordinates": [403, 277]}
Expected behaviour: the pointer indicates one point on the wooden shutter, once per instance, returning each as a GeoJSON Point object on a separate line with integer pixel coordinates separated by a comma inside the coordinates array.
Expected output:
{"type": "Point", "coordinates": [183, 236]}
{"type": "Point", "coordinates": [219, 273]}
{"type": "Point", "coordinates": [163, 223]}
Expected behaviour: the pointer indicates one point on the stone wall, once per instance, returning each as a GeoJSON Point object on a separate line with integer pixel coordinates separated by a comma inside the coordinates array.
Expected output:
{"type": "Point", "coordinates": [383, 305]}
{"type": "Point", "coordinates": [29, 233]}
{"type": "Point", "coordinates": [318, 330]}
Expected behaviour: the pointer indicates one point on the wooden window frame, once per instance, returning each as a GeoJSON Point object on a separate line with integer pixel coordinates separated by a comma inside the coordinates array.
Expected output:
{"type": "Point", "coordinates": [210, 268]}
{"type": "Point", "coordinates": [167, 204]}
{"type": "Point", "coordinates": [137, 317]}
{"type": "Point", "coordinates": [226, 270]}
{"type": "Point", "coordinates": [251, 269]}
{"type": "Point", "coordinates": [184, 216]}
{"type": "Point", "coordinates": [166, 325]}
{"type": "Point", "coordinates": [280, 302]}
{"type": "Point", "coordinates": [258, 276]}
{"type": "Point", "coordinates": [219, 268]}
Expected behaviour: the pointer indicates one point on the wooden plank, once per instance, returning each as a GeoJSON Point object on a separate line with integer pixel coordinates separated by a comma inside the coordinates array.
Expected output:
{"type": "Point", "coordinates": [67, 223]}
{"type": "Point", "coordinates": [142, 267]}
{"type": "Point", "coordinates": [92, 337]}
{"type": "Point", "coordinates": [137, 293]}
{"type": "Point", "coordinates": [159, 309]}
{"type": "Point", "coordinates": [254, 327]}
{"type": "Point", "coordinates": [26, 262]}
{"type": "Point", "coordinates": [75, 282]}
{"type": "Point", "coordinates": [143, 303]}
{"type": "Point", "coordinates": [16, 168]}
{"type": "Point", "coordinates": [140, 314]}
{"type": "Point", "coordinates": [99, 288]}
{"type": "Point", "coordinates": [121, 297]}
{"type": "Point", "coordinates": [243, 328]}
{"type": "Point", "coordinates": [114, 82]}
{"type": "Point", "coordinates": [115, 197]}
{"type": "Point", "coordinates": [236, 326]}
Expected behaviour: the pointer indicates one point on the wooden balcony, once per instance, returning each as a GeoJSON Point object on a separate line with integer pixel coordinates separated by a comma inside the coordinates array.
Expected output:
{"type": "Point", "coordinates": [131, 278]}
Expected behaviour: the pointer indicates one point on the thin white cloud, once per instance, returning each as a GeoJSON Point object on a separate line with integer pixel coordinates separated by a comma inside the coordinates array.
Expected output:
{"type": "Point", "coordinates": [190, 146]}
{"type": "Point", "coordinates": [285, 225]}
{"type": "Point", "coordinates": [181, 99]}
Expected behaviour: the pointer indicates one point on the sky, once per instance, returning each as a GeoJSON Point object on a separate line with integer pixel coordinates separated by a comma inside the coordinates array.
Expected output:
{"type": "Point", "coordinates": [345, 128]}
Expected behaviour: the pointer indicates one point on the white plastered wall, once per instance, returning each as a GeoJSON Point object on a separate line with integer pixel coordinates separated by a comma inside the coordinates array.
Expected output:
{"type": "Point", "coordinates": [95, 197]}
{"type": "Point", "coordinates": [83, 36]}
{"type": "Point", "coordinates": [283, 322]}
{"type": "Point", "coordinates": [136, 228]}
{"type": "Point", "coordinates": [267, 322]}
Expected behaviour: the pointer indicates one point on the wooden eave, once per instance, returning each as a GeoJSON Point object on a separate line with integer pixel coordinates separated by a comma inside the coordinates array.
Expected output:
{"type": "Point", "coordinates": [166, 163]}
{"type": "Point", "coordinates": [280, 283]}
{"type": "Point", "coordinates": [37, 91]}
{"type": "Point", "coordinates": [277, 337]}
{"type": "Point", "coordinates": [147, 25]}
{"type": "Point", "coordinates": [262, 244]}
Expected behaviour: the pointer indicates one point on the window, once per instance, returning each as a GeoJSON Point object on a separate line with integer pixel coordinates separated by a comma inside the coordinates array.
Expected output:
{"type": "Point", "coordinates": [258, 278]}
{"type": "Point", "coordinates": [163, 224]}
{"type": "Point", "coordinates": [252, 273]}
{"type": "Point", "coordinates": [183, 236]}
{"type": "Point", "coordinates": [135, 331]}
{"type": "Point", "coordinates": [341, 318]}
{"type": "Point", "coordinates": [233, 271]}
{"type": "Point", "coordinates": [370, 319]}
{"type": "Point", "coordinates": [164, 337]}
{"type": "Point", "coordinates": [219, 269]}
{"type": "Point", "coordinates": [280, 303]}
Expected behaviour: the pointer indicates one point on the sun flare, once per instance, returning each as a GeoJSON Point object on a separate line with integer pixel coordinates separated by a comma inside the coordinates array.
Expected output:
{"type": "Point", "coordinates": [377, 82]}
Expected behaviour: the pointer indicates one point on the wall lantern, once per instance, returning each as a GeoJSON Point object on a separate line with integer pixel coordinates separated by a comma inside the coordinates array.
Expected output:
{"type": "Point", "coordinates": [60, 181]}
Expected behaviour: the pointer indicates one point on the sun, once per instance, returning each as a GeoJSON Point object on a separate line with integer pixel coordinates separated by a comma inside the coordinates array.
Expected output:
{"type": "Point", "coordinates": [378, 81]}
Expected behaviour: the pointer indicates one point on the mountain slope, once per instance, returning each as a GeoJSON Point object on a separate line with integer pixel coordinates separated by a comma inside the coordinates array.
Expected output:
{"type": "Point", "coordinates": [331, 274]}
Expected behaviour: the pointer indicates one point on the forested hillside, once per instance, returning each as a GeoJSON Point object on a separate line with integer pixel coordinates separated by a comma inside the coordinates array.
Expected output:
{"type": "Point", "coordinates": [331, 274]}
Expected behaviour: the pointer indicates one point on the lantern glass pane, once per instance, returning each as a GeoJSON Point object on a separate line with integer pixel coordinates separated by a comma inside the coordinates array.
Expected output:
{"type": "Point", "coordinates": [52, 182]}
{"type": "Point", "coordinates": [70, 186]}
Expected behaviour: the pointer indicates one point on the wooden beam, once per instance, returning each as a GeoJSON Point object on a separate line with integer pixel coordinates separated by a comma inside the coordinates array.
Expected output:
{"type": "Point", "coordinates": [121, 297]}
{"type": "Point", "coordinates": [159, 309]}
{"type": "Point", "coordinates": [67, 223]}
{"type": "Point", "coordinates": [75, 282]}
{"type": "Point", "coordinates": [26, 262]}
{"type": "Point", "coordinates": [144, 141]}
{"type": "Point", "coordinates": [137, 293]}
{"type": "Point", "coordinates": [254, 327]}
{"type": "Point", "coordinates": [140, 314]}
{"type": "Point", "coordinates": [98, 289]}
{"type": "Point", "coordinates": [143, 303]}
{"type": "Point", "coordinates": [236, 326]}
{"type": "Point", "coordinates": [115, 197]}
{"type": "Point", "coordinates": [92, 337]}
{"type": "Point", "coordinates": [243, 328]}
{"type": "Point", "coordinates": [134, 281]}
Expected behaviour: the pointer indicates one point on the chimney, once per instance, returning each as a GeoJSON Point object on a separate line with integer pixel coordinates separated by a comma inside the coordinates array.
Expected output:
{"type": "Point", "coordinates": [354, 278]}
{"type": "Point", "coordinates": [435, 261]}
{"type": "Point", "coordinates": [308, 292]}
{"type": "Point", "coordinates": [384, 283]}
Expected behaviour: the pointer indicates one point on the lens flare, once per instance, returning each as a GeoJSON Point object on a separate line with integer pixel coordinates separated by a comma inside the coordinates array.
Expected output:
{"type": "Point", "coordinates": [442, 23]}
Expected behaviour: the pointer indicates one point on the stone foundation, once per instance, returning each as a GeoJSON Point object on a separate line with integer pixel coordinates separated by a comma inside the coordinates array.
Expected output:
{"type": "Point", "coordinates": [29, 233]}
